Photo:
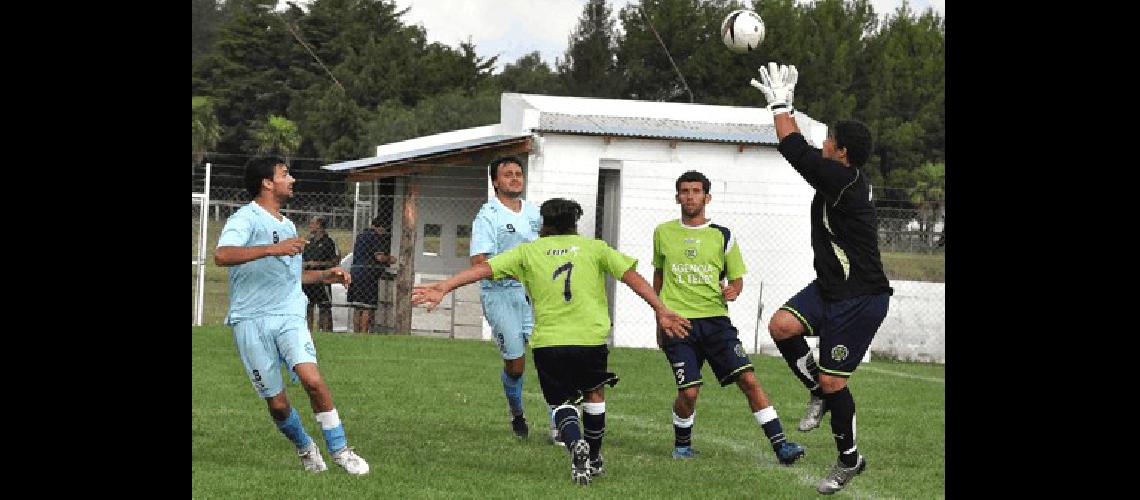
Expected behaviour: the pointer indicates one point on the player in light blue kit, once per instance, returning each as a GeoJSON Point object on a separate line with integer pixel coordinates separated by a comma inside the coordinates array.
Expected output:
{"type": "Point", "coordinates": [267, 311]}
{"type": "Point", "coordinates": [502, 224]}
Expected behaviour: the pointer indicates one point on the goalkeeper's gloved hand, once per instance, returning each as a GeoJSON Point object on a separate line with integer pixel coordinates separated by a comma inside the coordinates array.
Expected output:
{"type": "Point", "coordinates": [779, 84]}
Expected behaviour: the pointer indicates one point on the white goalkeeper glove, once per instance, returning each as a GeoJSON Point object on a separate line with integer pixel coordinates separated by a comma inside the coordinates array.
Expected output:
{"type": "Point", "coordinates": [778, 87]}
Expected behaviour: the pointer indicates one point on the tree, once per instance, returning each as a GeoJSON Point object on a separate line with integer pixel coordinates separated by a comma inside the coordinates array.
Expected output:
{"type": "Point", "coordinates": [929, 195]}
{"type": "Point", "coordinates": [590, 66]}
{"type": "Point", "coordinates": [204, 19]}
{"type": "Point", "coordinates": [278, 135]}
{"type": "Point", "coordinates": [332, 121]}
{"type": "Point", "coordinates": [205, 130]}
{"type": "Point", "coordinates": [903, 91]}
{"type": "Point", "coordinates": [447, 111]}
{"type": "Point", "coordinates": [529, 75]}
{"type": "Point", "coordinates": [248, 73]}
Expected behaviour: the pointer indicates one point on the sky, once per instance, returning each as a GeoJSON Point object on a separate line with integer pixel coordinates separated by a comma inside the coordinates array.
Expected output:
{"type": "Point", "coordinates": [514, 28]}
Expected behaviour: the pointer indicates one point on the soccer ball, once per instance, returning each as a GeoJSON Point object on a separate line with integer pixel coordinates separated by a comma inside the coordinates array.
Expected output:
{"type": "Point", "coordinates": [742, 31]}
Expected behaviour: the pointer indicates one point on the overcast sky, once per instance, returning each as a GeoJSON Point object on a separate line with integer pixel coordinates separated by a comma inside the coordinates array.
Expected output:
{"type": "Point", "coordinates": [513, 28]}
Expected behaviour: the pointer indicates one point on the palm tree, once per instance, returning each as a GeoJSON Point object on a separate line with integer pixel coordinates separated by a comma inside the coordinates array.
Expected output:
{"type": "Point", "coordinates": [206, 130]}
{"type": "Point", "coordinates": [929, 195]}
{"type": "Point", "coordinates": [278, 135]}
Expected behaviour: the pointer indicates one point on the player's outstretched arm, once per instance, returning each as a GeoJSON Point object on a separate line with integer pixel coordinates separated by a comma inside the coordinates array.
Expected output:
{"type": "Point", "coordinates": [432, 293]}
{"type": "Point", "coordinates": [670, 322]}
{"type": "Point", "coordinates": [232, 256]}
{"type": "Point", "coordinates": [778, 86]}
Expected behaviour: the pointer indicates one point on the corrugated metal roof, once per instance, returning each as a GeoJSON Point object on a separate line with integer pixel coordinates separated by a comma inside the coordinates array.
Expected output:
{"type": "Point", "coordinates": [663, 128]}
{"type": "Point", "coordinates": [421, 152]}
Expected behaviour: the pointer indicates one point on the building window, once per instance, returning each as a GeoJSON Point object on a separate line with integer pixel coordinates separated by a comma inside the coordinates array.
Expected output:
{"type": "Point", "coordinates": [432, 234]}
{"type": "Point", "coordinates": [462, 240]}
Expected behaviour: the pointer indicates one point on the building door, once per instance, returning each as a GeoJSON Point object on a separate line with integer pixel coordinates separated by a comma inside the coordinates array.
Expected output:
{"type": "Point", "coordinates": [606, 221]}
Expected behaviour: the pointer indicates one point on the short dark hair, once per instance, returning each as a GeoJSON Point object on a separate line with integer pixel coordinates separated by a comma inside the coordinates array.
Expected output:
{"type": "Point", "coordinates": [559, 216]}
{"type": "Point", "coordinates": [258, 168]}
{"type": "Point", "coordinates": [856, 138]}
{"type": "Point", "coordinates": [378, 221]}
{"type": "Point", "coordinates": [694, 176]}
{"type": "Point", "coordinates": [493, 168]}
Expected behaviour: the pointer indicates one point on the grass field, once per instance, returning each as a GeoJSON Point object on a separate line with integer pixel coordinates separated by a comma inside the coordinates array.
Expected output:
{"type": "Point", "coordinates": [914, 266]}
{"type": "Point", "coordinates": [429, 416]}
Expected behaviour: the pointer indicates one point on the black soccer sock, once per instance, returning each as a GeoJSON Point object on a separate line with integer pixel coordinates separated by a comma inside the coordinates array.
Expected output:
{"type": "Point", "coordinates": [566, 420]}
{"type": "Point", "coordinates": [797, 354]}
{"type": "Point", "coordinates": [594, 426]}
{"type": "Point", "coordinates": [683, 430]}
{"type": "Point", "coordinates": [770, 422]}
{"type": "Point", "coordinates": [842, 406]}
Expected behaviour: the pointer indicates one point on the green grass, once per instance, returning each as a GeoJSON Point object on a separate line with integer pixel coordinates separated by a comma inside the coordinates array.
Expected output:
{"type": "Point", "coordinates": [429, 416]}
{"type": "Point", "coordinates": [915, 266]}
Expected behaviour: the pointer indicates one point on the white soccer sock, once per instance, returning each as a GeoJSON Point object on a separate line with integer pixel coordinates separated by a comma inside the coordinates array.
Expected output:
{"type": "Point", "coordinates": [684, 422]}
{"type": "Point", "coordinates": [765, 415]}
{"type": "Point", "coordinates": [594, 408]}
{"type": "Point", "coordinates": [328, 419]}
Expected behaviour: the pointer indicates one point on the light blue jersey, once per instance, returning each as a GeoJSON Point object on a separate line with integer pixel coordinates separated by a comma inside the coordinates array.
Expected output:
{"type": "Point", "coordinates": [497, 229]}
{"type": "Point", "coordinates": [269, 286]}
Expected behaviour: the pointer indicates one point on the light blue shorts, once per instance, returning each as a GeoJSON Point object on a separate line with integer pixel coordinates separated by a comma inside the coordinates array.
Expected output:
{"type": "Point", "coordinates": [262, 342]}
{"type": "Point", "coordinates": [508, 311]}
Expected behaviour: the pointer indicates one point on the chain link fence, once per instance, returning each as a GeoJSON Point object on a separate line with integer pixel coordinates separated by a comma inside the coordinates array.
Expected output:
{"type": "Point", "coordinates": [775, 246]}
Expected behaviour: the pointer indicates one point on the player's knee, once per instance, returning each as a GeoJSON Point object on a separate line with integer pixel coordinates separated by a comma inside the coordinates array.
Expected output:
{"type": "Point", "coordinates": [313, 382]}
{"type": "Point", "coordinates": [831, 384]}
{"type": "Point", "coordinates": [783, 325]}
{"type": "Point", "coordinates": [747, 381]}
{"type": "Point", "coordinates": [279, 406]}
{"type": "Point", "coordinates": [514, 367]}
{"type": "Point", "coordinates": [689, 394]}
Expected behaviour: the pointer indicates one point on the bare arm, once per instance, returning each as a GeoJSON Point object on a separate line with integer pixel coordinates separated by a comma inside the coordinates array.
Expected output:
{"type": "Point", "coordinates": [785, 125]}
{"type": "Point", "coordinates": [432, 294]}
{"type": "Point", "coordinates": [732, 289]}
{"type": "Point", "coordinates": [478, 259]}
{"type": "Point", "coordinates": [668, 321]}
{"type": "Point", "coordinates": [658, 279]}
{"type": "Point", "coordinates": [334, 275]}
{"type": "Point", "coordinates": [232, 256]}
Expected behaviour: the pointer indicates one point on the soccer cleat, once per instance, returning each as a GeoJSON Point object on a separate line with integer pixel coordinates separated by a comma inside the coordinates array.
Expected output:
{"type": "Point", "coordinates": [346, 457]}
{"type": "Point", "coordinates": [685, 452]}
{"type": "Point", "coordinates": [311, 458]}
{"type": "Point", "coordinates": [815, 410]}
{"type": "Point", "coordinates": [519, 427]}
{"type": "Point", "coordinates": [554, 438]}
{"type": "Point", "coordinates": [839, 476]}
{"type": "Point", "coordinates": [597, 467]}
{"type": "Point", "coordinates": [789, 452]}
{"type": "Point", "coordinates": [580, 462]}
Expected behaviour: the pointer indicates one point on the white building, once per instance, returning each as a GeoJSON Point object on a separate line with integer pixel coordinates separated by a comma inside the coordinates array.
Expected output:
{"type": "Point", "coordinates": [619, 159]}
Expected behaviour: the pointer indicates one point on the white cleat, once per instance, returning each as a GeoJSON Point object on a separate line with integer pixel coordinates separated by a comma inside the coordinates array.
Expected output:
{"type": "Point", "coordinates": [815, 410]}
{"type": "Point", "coordinates": [351, 462]}
{"type": "Point", "coordinates": [311, 458]}
{"type": "Point", "coordinates": [839, 476]}
{"type": "Point", "coordinates": [580, 463]}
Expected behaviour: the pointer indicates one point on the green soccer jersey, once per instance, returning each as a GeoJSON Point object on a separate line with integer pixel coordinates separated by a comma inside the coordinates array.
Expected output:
{"type": "Point", "coordinates": [565, 278]}
{"type": "Point", "coordinates": [694, 260]}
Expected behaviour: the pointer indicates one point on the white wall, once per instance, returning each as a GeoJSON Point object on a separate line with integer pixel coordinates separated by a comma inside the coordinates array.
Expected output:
{"type": "Point", "coordinates": [915, 327]}
{"type": "Point", "coordinates": [448, 196]}
{"type": "Point", "coordinates": [758, 196]}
